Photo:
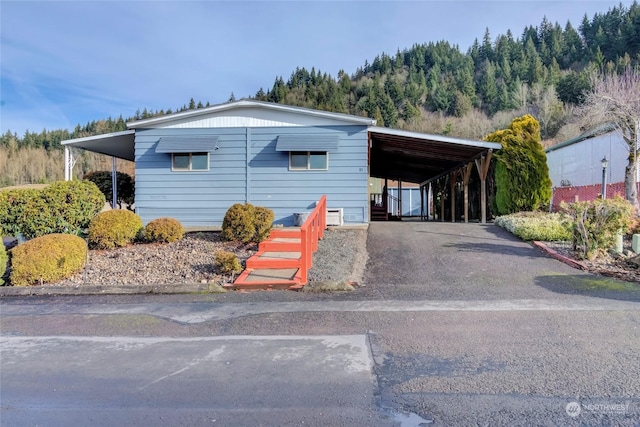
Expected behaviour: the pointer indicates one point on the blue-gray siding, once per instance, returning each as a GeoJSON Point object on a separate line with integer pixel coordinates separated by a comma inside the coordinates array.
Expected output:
{"type": "Point", "coordinates": [247, 168]}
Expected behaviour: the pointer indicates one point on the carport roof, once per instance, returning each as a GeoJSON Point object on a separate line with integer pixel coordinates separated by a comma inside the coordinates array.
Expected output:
{"type": "Point", "coordinates": [116, 144]}
{"type": "Point", "coordinates": [419, 157]}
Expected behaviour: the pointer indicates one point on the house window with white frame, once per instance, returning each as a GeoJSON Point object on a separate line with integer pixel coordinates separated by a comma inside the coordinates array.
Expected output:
{"type": "Point", "coordinates": [186, 162]}
{"type": "Point", "coordinates": [308, 160]}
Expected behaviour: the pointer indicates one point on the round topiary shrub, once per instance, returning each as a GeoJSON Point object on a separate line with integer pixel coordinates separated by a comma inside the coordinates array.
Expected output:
{"type": "Point", "coordinates": [163, 230]}
{"type": "Point", "coordinates": [47, 259]}
{"type": "Point", "coordinates": [263, 221]}
{"type": "Point", "coordinates": [227, 262]}
{"type": "Point", "coordinates": [113, 228]}
{"type": "Point", "coordinates": [239, 223]}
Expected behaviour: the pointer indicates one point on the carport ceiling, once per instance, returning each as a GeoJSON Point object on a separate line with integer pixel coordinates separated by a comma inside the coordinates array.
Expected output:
{"type": "Point", "coordinates": [418, 157]}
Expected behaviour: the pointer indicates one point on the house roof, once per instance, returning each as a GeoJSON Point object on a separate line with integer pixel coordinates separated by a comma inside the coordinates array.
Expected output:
{"type": "Point", "coordinates": [591, 133]}
{"type": "Point", "coordinates": [395, 154]}
{"type": "Point", "coordinates": [239, 106]}
{"type": "Point", "coordinates": [420, 157]}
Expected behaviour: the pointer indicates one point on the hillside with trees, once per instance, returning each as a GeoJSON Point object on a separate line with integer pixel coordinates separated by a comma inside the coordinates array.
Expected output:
{"type": "Point", "coordinates": [434, 87]}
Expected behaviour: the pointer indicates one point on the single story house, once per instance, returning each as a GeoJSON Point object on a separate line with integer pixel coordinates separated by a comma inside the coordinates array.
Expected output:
{"type": "Point", "coordinates": [576, 166]}
{"type": "Point", "coordinates": [195, 164]}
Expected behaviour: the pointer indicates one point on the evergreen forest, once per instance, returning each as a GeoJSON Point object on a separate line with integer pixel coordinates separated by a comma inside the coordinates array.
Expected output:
{"type": "Point", "coordinates": [433, 87]}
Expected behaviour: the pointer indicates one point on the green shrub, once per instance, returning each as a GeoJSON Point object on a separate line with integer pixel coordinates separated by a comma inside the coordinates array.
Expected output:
{"type": "Point", "coordinates": [227, 262]}
{"type": "Point", "coordinates": [125, 186]}
{"type": "Point", "coordinates": [113, 228]}
{"type": "Point", "coordinates": [239, 223]}
{"type": "Point", "coordinates": [263, 222]}
{"type": "Point", "coordinates": [47, 259]}
{"type": "Point", "coordinates": [62, 207]}
{"type": "Point", "coordinates": [3, 263]}
{"type": "Point", "coordinates": [247, 223]}
{"type": "Point", "coordinates": [164, 230]}
{"type": "Point", "coordinates": [541, 226]}
{"type": "Point", "coordinates": [596, 224]}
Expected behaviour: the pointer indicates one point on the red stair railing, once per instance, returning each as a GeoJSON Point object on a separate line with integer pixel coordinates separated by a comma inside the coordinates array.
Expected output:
{"type": "Point", "coordinates": [311, 231]}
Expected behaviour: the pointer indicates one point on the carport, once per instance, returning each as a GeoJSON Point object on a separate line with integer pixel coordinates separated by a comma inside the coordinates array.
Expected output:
{"type": "Point", "coordinates": [117, 145]}
{"type": "Point", "coordinates": [425, 159]}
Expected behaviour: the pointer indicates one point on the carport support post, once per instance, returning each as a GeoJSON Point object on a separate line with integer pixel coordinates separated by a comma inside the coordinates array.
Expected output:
{"type": "Point", "coordinates": [67, 172]}
{"type": "Point", "coordinates": [399, 199]}
{"type": "Point", "coordinates": [452, 191]}
{"type": "Point", "coordinates": [482, 165]}
{"type": "Point", "coordinates": [465, 181]}
{"type": "Point", "coordinates": [442, 191]}
{"type": "Point", "coordinates": [114, 182]}
{"type": "Point", "coordinates": [422, 214]}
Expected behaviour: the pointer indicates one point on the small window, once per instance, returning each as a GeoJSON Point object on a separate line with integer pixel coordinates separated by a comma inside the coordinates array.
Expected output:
{"type": "Point", "coordinates": [308, 160]}
{"type": "Point", "coordinates": [190, 161]}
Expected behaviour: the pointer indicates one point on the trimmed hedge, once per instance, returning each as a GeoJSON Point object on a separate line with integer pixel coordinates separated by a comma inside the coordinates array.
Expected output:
{"type": "Point", "coordinates": [46, 259]}
{"type": "Point", "coordinates": [113, 228]}
{"type": "Point", "coordinates": [125, 186]}
{"type": "Point", "coordinates": [163, 230]}
{"type": "Point", "coordinates": [62, 207]}
{"type": "Point", "coordinates": [546, 227]}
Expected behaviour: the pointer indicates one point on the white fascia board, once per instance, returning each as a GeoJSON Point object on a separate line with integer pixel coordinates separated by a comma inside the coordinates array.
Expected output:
{"type": "Point", "coordinates": [97, 137]}
{"type": "Point", "coordinates": [439, 138]}
{"type": "Point", "coordinates": [255, 104]}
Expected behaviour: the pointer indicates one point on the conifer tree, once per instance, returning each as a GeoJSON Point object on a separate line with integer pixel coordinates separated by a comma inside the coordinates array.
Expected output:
{"type": "Point", "coordinates": [522, 174]}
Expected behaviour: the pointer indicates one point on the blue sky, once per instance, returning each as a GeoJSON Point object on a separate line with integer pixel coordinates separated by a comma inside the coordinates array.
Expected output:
{"type": "Point", "coordinates": [69, 62]}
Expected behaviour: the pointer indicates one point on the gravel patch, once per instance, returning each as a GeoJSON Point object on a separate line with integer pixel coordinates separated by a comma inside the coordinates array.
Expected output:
{"type": "Point", "coordinates": [341, 257]}
{"type": "Point", "coordinates": [190, 260]}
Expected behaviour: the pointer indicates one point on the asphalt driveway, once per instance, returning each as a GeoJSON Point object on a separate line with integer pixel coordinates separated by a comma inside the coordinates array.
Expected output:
{"type": "Point", "coordinates": [414, 260]}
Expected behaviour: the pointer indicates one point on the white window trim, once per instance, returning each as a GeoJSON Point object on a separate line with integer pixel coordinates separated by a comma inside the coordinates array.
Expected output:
{"type": "Point", "coordinates": [308, 168]}
{"type": "Point", "coordinates": [190, 163]}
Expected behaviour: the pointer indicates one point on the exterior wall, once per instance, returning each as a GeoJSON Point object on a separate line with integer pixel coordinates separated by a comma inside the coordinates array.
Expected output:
{"type": "Point", "coordinates": [576, 170]}
{"type": "Point", "coordinates": [247, 168]}
{"type": "Point", "coordinates": [578, 164]}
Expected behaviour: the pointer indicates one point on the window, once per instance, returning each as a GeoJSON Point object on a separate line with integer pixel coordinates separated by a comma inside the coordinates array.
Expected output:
{"type": "Point", "coordinates": [190, 161]}
{"type": "Point", "coordinates": [309, 160]}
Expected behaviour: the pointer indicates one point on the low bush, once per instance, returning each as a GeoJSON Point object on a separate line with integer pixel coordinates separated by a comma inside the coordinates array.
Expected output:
{"type": "Point", "coordinates": [247, 223]}
{"type": "Point", "coordinates": [239, 223]}
{"type": "Point", "coordinates": [113, 228]}
{"type": "Point", "coordinates": [3, 263]}
{"type": "Point", "coordinates": [227, 262]}
{"type": "Point", "coordinates": [537, 225]}
{"type": "Point", "coordinates": [62, 207]}
{"type": "Point", "coordinates": [163, 230]}
{"type": "Point", "coordinates": [125, 186]}
{"type": "Point", "coordinates": [596, 224]}
{"type": "Point", "coordinates": [263, 221]}
{"type": "Point", "coordinates": [46, 259]}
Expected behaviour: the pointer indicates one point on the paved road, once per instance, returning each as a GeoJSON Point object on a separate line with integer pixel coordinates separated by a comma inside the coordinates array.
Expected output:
{"type": "Point", "coordinates": [465, 325]}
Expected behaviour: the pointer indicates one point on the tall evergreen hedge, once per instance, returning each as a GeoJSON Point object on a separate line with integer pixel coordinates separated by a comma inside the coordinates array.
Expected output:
{"type": "Point", "coordinates": [522, 173]}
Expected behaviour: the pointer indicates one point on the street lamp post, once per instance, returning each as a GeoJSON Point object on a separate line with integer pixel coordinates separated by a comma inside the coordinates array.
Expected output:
{"type": "Point", "coordinates": [605, 163]}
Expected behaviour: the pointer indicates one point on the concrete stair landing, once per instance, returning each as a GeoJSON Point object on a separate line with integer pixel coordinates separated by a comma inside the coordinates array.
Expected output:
{"type": "Point", "coordinates": [276, 265]}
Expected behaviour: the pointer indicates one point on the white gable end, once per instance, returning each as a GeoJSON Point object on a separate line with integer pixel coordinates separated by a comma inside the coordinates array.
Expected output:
{"type": "Point", "coordinates": [250, 114]}
{"type": "Point", "coordinates": [250, 117]}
